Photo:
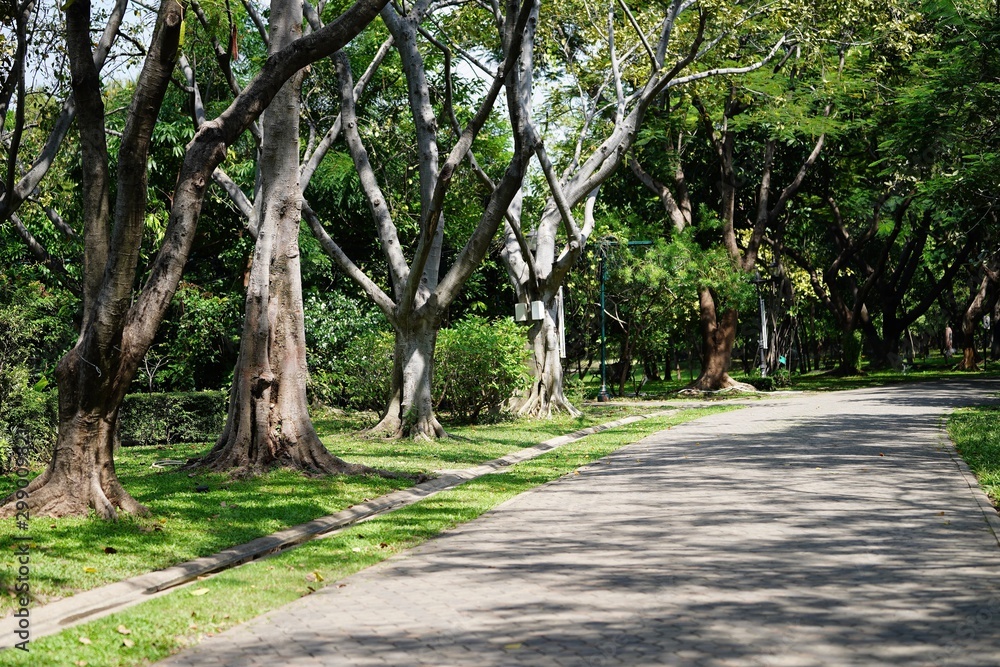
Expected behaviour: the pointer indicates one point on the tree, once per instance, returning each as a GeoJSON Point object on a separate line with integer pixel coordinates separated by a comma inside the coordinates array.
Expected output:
{"type": "Point", "coordinates": [268, 420]}
{"type": "Point", "coordinates": [420, 295]}
{"type": "Point", "coordinates": [119, 325]}
{"type": "Point", "coordinates": [638, 76]}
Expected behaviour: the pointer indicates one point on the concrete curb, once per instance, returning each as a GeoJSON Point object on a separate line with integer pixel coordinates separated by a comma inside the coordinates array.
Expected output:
{"type": "Point", "coordinates": [985, 505]}
{"type": "Point", "coordinates": [105, 600]}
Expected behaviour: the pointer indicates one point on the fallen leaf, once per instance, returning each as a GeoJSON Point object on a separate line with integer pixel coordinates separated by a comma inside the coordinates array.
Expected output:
{"type": "Point", "coordinates": [122, 630]}
{"type": "Point", "coordinates": [314, 576]}
{"type": "Point", "coordinates": [80, 663]}
{"type": "Point", "coordinates": [383, 545]}
{"type": "Point", "coordinates": [200, 591]}
{"type": "Point", "coordinates": [512, 647]}
{"type": "Point", "coordinates": [128, 643]}
{"type": "Point", "coordinates": [90, 569]}
{"type": "Point", "coordinates": [356, 549]}
{"type": "Point", "coordinates": [341, 585]}
{"type": "Point", "coordinates": [110, 550]}
{"type": "Point", "coordinates": [85, 640]}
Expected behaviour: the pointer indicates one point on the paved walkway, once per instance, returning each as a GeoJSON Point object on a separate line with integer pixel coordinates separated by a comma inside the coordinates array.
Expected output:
{"type": "Point", "coordinates": [830, 529]}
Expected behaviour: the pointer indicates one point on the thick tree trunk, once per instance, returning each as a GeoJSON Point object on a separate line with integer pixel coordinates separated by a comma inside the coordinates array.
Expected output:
{"type": "Point", "coordinates": [546, 396]}
{"type": "Point", "coordinates": [268, 421]}
{"type": "Point", "coordinates": [718, 337]}
{"type": "Point", "coordinates": [81, 475]}
{"type": "Point", "coordinates": [410, 401]}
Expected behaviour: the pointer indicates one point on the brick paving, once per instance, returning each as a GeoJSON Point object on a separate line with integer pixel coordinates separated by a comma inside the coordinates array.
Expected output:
{"type": "Point", "coordinates": [832, 529]}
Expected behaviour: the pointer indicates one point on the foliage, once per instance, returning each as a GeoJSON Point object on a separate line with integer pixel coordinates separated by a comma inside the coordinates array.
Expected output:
{"type": "Point", "coordinates": [200, 340]}
{"type": "Point", "coordinates": [33, 328]}
{"type": "Point", "coordinates": [364, 373]}
{"type": "Point", "coordinates": [150, 419]}
{"type": "Point", "coordinates": [479, 366]}
{"type": "Point", "coordinates": [333, 321]}
{"type": "Point", "coordinates": [852, 348]}
{"type": "Point", "coordinates": [27, 418]}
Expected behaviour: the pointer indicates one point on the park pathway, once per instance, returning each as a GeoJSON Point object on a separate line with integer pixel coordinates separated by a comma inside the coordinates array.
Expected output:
{"type": "Point", "coordinates": [827, 529]}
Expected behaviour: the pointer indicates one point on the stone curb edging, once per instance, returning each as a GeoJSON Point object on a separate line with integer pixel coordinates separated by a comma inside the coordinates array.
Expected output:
{"type": "Point", "coordinates": [985, 505]}
{"type": "Point", "coordinates": [105, 600]}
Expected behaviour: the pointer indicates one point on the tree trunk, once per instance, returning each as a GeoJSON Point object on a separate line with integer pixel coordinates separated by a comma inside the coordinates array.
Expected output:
{"type": "Point", "coordinates": [268, 421]}
{"type": "Point", "coordinates": [410, 400]}
{"type": "Point", "coordinates": [718, 336]}
{"type": "Point", "coordinates": [546, 394]}
{"type": "Point", "coordinates": [995, 332]}
{"type": "Point", "coordinates": [81, 475]}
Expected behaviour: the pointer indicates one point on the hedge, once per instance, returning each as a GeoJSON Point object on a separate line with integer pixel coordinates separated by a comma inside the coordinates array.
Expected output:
{"type": "Point", "coordinates": [148, 419]}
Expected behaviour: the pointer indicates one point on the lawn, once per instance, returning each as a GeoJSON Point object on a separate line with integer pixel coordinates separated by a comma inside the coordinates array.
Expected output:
{"type": "Point", "coordinates": [156, 628]}
{"type": "Point", "coordinates": [976, 433]}
{"type": "Point", "coordinates": [76, 554]}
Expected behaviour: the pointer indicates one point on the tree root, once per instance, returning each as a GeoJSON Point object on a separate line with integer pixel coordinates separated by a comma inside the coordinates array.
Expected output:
{"type": "Point", "coordinates": [540, 406]}
{"type": "Point", "coordinates": [726, 385]}
{"type": "Point", "coordinates": [53, 498]}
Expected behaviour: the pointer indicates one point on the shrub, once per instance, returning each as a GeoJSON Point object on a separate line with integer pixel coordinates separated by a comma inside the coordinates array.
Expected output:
{"type": "Point", "coordinates": [147, 419]}
{"type": "Point", "coordinates": [779, 379]}
{"type": "Point", "coordinates": [334, 322]}
{"type": "Point", "coordinates": [363, 375]}
{"type": "Point", "coordinates": [479, 365]}
{"type": "Point", "coordinates": [27, 418]}
{"type": "Point", "coordinates": [33, 334]}
{"type": "Point", "coordinates": [852, 348]}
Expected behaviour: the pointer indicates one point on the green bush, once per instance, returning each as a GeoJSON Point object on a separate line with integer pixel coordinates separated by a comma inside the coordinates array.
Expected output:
{"type": "Point", "coordinates": [147, 419]}
{"type": "Point", "coordinates": [33, 335]}
{"type": "Point", "coordinates": [27, 417]}
{"type": "Point", "coordinates": [779, 379]}
{"type": "Point", "coordinates": [363, 374]}
{"type": "Point", "coordinates": [852, 348]}
{"type": "Point", "coordinates": [479, 365]}
{"type": "Point", "coordinates": [335, 322]}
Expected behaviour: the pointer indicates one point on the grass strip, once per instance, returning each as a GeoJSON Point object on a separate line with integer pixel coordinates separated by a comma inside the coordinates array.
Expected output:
{"type": "Point", "coordinates": [976, 434]}
{"type": "Point", "coordinates": [165, 625]}
{"type": "Point", "coordinates": [78, 554]}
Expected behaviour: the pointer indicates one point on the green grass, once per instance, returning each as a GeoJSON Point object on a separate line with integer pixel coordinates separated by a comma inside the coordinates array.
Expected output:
{"type": "Point", "coordinates": [976, 433]}
{"type": "Point", "coordinates": [165, 625]}
{"type": "Point", "coordinates": [70, 554]}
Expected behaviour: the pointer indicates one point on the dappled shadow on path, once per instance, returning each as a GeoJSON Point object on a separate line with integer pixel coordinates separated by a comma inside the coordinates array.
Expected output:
{"type": "Point", "coordinates": [824, 531]}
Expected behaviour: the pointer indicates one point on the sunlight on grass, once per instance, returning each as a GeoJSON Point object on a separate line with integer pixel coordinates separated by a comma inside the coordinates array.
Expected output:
{"type": "Point", "coordinates": [168, 624]}
{"type": "Point", "coordinates": [78, 554]}
{"type": "Point", "coordinates": [976, 433]}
